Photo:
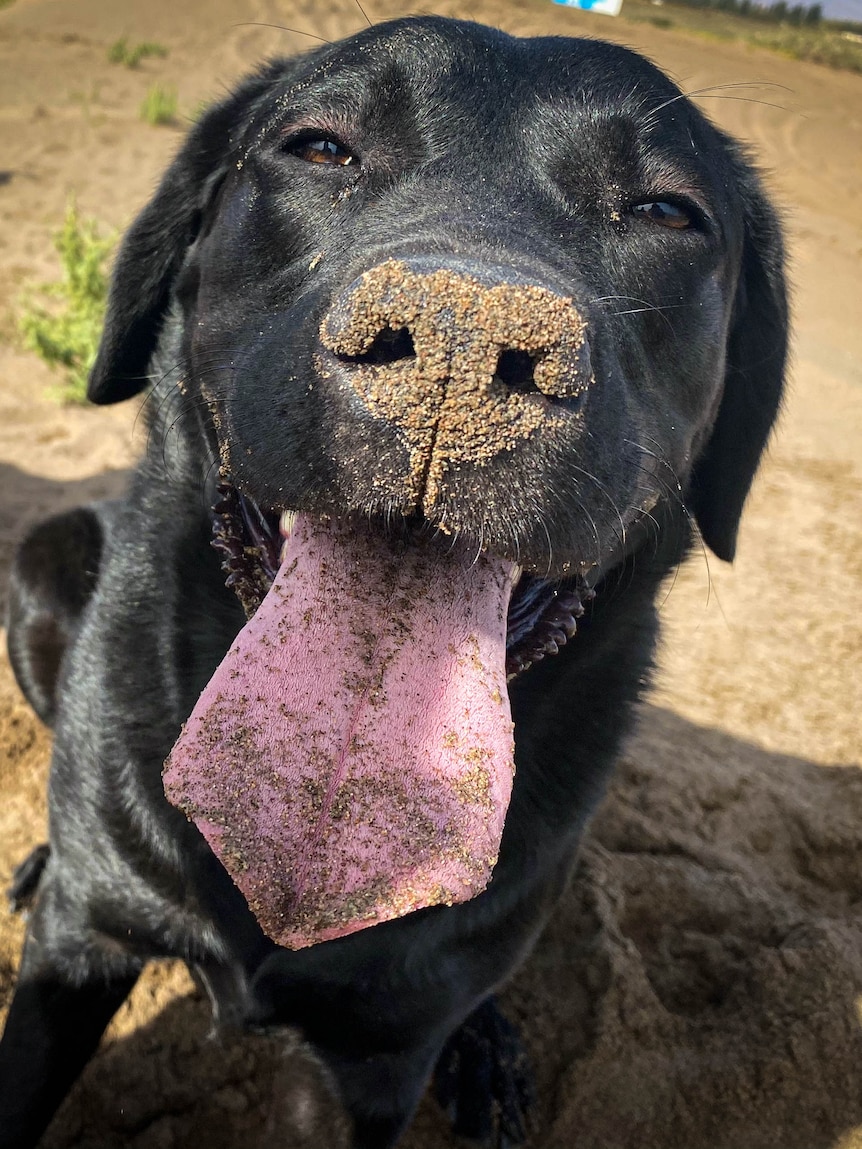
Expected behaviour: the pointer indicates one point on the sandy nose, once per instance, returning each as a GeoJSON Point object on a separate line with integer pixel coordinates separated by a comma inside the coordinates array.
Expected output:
{"type": "Point", "coordinates": [444, 325]}
{"type": "Point", "coordinates": [464, 368]}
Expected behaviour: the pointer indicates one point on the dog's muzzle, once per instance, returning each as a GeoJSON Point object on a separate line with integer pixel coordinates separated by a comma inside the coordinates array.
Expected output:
{"type": "Point", "coordinates": [466, 361]}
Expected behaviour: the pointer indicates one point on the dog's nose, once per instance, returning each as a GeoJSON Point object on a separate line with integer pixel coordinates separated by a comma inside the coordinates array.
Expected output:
{"type": "Point", "coordinates": [484, 326]}
{"type": "Point", "coordinates": [465, 360]}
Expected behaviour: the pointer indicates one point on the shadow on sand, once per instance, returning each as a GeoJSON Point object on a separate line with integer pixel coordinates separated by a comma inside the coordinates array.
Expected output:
{"type": "Point", "coordinates": [697, 989]}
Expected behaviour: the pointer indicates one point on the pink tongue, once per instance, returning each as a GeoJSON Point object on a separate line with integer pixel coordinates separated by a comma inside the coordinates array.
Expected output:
{"type": "Point", "coordinates": [351, 759]}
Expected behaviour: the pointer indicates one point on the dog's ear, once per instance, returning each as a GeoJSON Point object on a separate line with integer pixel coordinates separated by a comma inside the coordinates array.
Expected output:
{"type": "Point", "coordinates": [754, 376]}
{"type": "Point", "coordinates": [155, 246]}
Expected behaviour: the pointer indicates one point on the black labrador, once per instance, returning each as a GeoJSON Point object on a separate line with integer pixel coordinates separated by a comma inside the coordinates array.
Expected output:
{"type": "Point", "coordinates": [513, 300]}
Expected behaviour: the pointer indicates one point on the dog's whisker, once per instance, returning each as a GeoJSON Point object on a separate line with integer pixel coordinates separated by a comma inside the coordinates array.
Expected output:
{"type": "Point", "coordinates": [717, 88]}
{"type": "Point", "coordinates": [646, 305]}
{"type": "Point", "coordinates": [547, 533]}
{"type": "Point", "coordinates": [601, 487]}
{"type": "Point", "coordinates": [597, 553]}
{"type": "Point", "coordinates": [750, 100]}
{"type": "Point", "coordinates": [675, 493]}
{"type": "Point", "coordinates": [281, 28]}
{"type": "Point", "coordinates": [364, 13]}
{"type": "Point", "coordinates": [156, 397]}
{"type": "Point", "coordinates": [641, 310]}
{"type": "Point", "coordinates": [673, 490]}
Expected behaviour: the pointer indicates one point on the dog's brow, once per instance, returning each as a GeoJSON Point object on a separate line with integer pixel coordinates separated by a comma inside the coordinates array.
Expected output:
{"type": "Point", "coordinates": [677, 174]}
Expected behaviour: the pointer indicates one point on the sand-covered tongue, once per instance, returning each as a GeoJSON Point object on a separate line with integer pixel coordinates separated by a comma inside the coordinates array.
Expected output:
{"type": "Point", "coordinates": [351, 759]}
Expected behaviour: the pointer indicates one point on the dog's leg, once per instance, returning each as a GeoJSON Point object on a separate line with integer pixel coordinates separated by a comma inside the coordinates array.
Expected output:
{"type": "Point", "coordinates": [59, 1011]}
{"type": "Point", "coordinates": [382, 1092]}
{"type": "Point", "coordinates": [483, 1080]}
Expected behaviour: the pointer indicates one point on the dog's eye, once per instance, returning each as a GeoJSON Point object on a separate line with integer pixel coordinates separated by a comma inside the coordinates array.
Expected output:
{"type": "Point", "coordinates": [664, 213]}
{"type": "Point", "coordinates": [321, 151]}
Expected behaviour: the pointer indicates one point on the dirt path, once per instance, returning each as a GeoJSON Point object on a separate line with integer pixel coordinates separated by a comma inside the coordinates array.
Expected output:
{"type": "Point", "coordinates": [702, 986]}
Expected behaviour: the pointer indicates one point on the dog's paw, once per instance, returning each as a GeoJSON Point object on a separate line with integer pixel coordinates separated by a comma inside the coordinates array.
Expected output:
{"type": "Point", "coordinates": [483, 1080]}
{"type": "Point", "coordinates": [26, 878]}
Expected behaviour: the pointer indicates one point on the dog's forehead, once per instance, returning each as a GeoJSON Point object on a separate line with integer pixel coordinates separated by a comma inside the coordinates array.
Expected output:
{"type": "Point", "coordinates": [459, 60]}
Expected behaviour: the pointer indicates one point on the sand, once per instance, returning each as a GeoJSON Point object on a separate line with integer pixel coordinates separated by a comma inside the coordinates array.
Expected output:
{"type": "Point", "coordinates": [445, 397]}
{"type": "Point", "coordinates": [701, 986]}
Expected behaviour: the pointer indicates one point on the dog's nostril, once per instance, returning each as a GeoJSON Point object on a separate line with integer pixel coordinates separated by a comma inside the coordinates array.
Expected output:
{"type": "Point", "coordinates": [515, 370]}
{"type": "Point", "coordinates": [391, 345]}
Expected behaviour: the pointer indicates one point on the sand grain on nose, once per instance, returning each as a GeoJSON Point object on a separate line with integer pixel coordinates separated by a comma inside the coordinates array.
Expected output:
{"type": "Point", "coordinates": [447, 399]}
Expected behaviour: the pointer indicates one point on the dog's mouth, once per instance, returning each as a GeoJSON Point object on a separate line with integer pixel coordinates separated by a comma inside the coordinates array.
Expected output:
{"type": "Point", "coordinates": [351, 759]}
{"type": "Point", "coordinates": [542, 614]}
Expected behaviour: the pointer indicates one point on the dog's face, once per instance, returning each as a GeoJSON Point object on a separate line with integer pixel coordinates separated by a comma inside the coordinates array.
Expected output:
{"type": "Point", "coordinates": [515, 293]}
{"type": "Point", "coordinates": [577, 237]}
{"type": "Point", "coordinates": [411, 147]}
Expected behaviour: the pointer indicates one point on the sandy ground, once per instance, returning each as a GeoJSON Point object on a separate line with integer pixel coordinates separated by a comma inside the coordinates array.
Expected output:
{"type": "Point", "coordinates": [701, 987]}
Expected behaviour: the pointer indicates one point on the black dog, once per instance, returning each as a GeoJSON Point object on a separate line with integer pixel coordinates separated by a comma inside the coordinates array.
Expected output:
{"type": "Point", "coordinates": [556, 204]}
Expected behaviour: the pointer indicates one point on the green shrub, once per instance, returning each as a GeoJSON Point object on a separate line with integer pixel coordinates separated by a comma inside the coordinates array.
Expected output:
{"type": "Point", "coordinates": [122, 52]}
{"type": "Point", "coordinates": [160, 105]}
{"type": "Point", "coordinates": [819, 46]}
{"type": "Point", "coordinates": [118, 51]}
{"type": "Point", "coordinates": [66, 332]}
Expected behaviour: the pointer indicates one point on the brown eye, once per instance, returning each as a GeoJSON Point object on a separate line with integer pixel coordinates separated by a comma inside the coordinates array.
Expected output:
{"type": "Point", "coordinates": [322, 151]}
{"type": "Point", "coordinates": [666, 214]}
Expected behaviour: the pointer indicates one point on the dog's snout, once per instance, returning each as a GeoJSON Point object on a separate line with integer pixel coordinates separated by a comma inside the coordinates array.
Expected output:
{"type": "Point", "coordinates": [464, 362]}
{"type": "Point", "coordinates": [480, 331]}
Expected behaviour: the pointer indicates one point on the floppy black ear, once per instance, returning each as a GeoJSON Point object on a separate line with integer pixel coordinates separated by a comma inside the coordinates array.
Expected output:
{"type": "Point", "coordinates": [754, 376]}
{"type": "Point", "coordinates": [155, 246]}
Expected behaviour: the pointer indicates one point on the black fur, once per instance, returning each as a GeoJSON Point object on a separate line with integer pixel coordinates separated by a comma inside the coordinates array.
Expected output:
{"type": "Point", "coordinates": [471, 148]}
{"type": "Point", "coordinates": [53, 575]}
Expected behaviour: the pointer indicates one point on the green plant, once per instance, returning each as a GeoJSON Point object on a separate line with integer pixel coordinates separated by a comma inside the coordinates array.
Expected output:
{"type": "Point", "coordinates": [118, 51]}
{"type": "Point", "coordinates": [160, 105]}
{"type": "Point", "coordinates": [121, 52]}
{"type": "Point", "coordinates": [66, 332]}
{"type": "Point", "coordinates": [820, 46]}
{"type": "Point", "coordinates": [804, 34]}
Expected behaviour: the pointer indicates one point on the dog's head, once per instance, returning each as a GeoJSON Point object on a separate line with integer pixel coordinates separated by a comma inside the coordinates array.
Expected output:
{"type": "Point", "coordinates": [520, 288]}
{"type": "Point", "coordinates": [514, 292]}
